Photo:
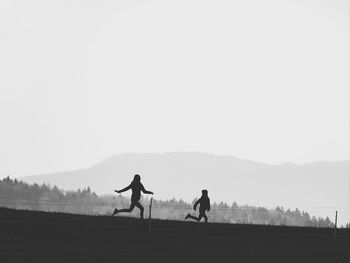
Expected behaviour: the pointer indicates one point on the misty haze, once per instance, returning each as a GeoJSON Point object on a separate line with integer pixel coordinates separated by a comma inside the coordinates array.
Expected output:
{"type": "Point", "coordinates": [319, 188]}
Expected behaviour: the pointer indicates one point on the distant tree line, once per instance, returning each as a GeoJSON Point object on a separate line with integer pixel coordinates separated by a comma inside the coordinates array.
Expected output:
{"type": "Point", "coordinates": [20, 195]}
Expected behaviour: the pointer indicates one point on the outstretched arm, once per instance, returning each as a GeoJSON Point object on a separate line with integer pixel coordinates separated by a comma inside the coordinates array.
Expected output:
{"type": "Point", "coordinates": [145, 191]}
{"type": "Point", "coordinates": [195, 204]}
{"type": "Point", "coordinates": [124, 189]}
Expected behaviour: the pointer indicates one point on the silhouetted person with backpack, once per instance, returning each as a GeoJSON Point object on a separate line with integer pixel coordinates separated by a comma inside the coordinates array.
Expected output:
{"type": "Point", "coordinates": [136, 188]}
{"type": "Point", "coordinates": [204, 205]}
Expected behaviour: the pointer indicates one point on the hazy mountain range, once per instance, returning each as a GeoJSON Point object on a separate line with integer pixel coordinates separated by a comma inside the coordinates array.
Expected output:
{"type": "Point", "coordinates": [317, 187]}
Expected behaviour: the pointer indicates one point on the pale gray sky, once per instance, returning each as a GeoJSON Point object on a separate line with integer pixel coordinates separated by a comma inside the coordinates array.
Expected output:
{"type": "Point", "coordinates": [260, 80]}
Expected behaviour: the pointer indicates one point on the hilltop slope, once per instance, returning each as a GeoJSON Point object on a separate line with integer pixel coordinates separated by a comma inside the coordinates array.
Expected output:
{"type": "Point", "coordinates": [54, 237]}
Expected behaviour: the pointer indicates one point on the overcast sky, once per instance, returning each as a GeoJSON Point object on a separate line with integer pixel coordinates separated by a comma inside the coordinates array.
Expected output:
{"type": "Point", "coordinates": [261, 80]}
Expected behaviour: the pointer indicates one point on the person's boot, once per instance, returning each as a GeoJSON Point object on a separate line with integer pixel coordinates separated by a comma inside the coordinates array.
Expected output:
{"type": "Point", "coordinates": [115, 212]}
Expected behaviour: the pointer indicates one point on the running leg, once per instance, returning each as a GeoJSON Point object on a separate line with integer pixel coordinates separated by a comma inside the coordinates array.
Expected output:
{"type": "Point", "coordinates": [125, 210]}
{"type": "Point", "coordinates": [192, 217]}
{"type": "Point", "coordinates": [205, 218]}
{"type": "Point", "coordinates": [138, 205]}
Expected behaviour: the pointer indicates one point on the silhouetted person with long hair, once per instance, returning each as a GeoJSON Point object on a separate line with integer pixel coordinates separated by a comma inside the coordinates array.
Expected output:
{"type": "Point", "coordinates": [136, 188]}
{"type": "Point", "coordinates": [204, 205]}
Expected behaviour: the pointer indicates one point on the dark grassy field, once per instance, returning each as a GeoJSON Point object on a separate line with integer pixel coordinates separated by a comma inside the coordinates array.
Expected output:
{"type": "Point", "coordinates": [27, 236]}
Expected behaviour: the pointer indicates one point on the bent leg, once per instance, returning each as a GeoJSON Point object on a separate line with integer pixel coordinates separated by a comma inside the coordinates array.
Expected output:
{"type": "Point", "coordinates": [203, 215]}
{"type": "Point", "coordinates": [193, 217]}
{"type": "Point", "coordinates": [139, 206]}
{"type": "Point", "coordinates": [126, 210]}
{"type": "Point", "coordinates": [205, 218]}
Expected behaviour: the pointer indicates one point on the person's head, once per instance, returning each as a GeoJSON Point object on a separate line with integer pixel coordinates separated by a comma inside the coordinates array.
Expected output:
{"type": "Point", "coordinates": [137, 178]}
{"type": "Point", "coordinates": [205, 192]}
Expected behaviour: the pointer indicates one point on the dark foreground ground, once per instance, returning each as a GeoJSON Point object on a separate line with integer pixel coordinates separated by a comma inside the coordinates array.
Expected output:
{"type": "Point", "coordinates": [52, 237]}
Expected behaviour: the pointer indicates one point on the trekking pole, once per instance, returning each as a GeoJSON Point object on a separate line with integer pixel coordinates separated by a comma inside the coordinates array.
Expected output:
{"type": "Point", "coordinates": [150, 216]}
